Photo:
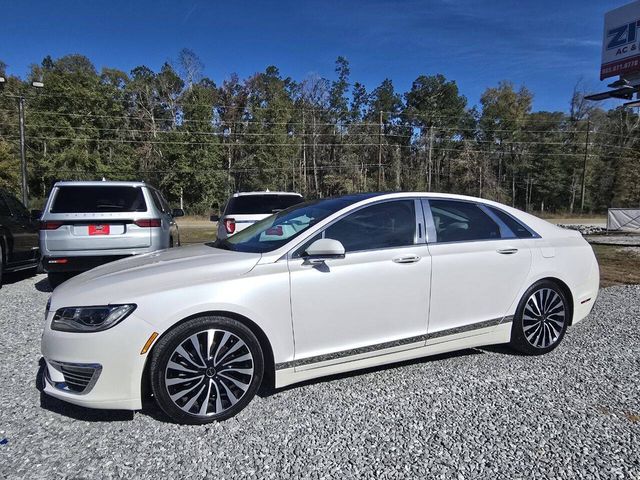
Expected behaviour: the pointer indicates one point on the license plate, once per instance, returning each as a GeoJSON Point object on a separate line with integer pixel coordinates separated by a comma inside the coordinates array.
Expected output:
{"type": "Point", "coordinates": [98, 229]}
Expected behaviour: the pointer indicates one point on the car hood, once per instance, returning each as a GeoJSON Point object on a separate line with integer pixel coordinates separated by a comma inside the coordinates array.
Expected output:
{"type": "Point", "coordinates": [124, 280]}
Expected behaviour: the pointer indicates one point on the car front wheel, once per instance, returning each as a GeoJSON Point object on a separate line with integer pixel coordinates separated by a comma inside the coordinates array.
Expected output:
{"type": "Point", "coordinates": [541, 319]}
{"type": "Point", "coordinates": [206, 369]}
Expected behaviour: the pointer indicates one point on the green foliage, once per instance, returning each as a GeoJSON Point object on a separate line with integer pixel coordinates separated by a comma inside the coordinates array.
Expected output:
{"type": "Point", "coordinates": [200, 141]}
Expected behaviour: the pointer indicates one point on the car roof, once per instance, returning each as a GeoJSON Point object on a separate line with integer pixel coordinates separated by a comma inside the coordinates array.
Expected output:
{"type": "Point", "coordinates": [266, 192]}
{"type": "Point", "coordinates": [99, 183]}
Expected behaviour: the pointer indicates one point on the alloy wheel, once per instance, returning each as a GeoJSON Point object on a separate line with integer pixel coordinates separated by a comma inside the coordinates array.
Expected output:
{"type": "Point", "coordinates": [209, 372]}
{"type": "Point", "coordinates": [543, 318]}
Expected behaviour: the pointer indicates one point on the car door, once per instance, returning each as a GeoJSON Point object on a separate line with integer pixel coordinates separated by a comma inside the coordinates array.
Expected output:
{"type": "Point", "coordinates": [478, 267]}
{"type": "Point", "coordinates": [376, 297]}
{"type": "Point", "coordinates": [23, 230]}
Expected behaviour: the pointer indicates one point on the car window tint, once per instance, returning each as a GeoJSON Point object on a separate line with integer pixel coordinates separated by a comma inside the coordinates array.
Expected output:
{"type": "Point", "coordinates": [462, 221]}
{"type": "Point", "coordinates": [15, 206]}
{"type": "Point", "coordinates": [260, 204]}
{"type": "Point", "coordinates": [516, 227]}
{"type": "Point", "coordinates": [4, 209]}
{"type": "Point", "coordinates": [93, 199]}
{"type": "Point", "coordinates": [384, 225]}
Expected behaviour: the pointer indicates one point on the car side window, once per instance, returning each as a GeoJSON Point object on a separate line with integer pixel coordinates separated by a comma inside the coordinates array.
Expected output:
{"type": "Point", "coordinates": [383, 225]}
{"type": "Point", "coordinates": [456, 221]}
{"type": "Point", "coordinates": [157, 200]}
{"type": "Point", "coordinates": [16, 207]}
{"type": "Point", "coordinates": [4, 209]}
{"type": "Point", "coordinates": [164, 203]}
{"type": "Point", "coordinates": [516, 227]}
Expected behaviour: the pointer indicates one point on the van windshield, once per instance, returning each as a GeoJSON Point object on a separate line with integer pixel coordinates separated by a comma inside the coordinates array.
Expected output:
{"type": "Point", "coordinates": [98, 199]}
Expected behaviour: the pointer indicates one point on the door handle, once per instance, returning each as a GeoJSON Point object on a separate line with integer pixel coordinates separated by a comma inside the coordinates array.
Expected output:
{"type": "Point", "coordinates": [407, 259]}
{"type": "Point", "coordinates": [507, 251]}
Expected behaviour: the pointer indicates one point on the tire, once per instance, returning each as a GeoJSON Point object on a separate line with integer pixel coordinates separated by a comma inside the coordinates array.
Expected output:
{"type": "Point", "coordinates": [1, 263]}
{"type": "Point", "coordinates": [170, 242]}
{"type": "Point", "coordinates": [541, 319]}
{"type": "Point", "coordinates": [57, 278]}
{"type": "Point", "coordinates": [196, 390]}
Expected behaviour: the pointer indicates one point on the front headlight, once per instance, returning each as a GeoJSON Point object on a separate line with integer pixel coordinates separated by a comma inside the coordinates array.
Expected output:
{"type": "Point", "coordinates": [90, 319]}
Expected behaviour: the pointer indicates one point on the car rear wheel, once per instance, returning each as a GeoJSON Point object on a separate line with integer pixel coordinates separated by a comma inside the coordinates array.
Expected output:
{"type": "Point", "coordinates": [541, 319]}
{"type": "Point", "coordinates": [206, 369]}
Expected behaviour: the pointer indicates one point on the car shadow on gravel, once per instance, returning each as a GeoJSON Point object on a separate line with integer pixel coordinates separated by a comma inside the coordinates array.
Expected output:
{"type": "Point", "coordinates": [15, 277]}
{"type": "Point", "coordinates": [73, 411]}
{"type": "Point", "coordinates": [267, 389]}
{"type": "Point", "coordinates": [43, 286]}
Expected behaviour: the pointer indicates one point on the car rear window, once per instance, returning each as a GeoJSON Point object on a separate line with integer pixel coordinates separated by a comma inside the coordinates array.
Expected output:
{"type": "Point", "coordinates": [260, 204]}
{"type": "Point", "coordinates": [98, 199]}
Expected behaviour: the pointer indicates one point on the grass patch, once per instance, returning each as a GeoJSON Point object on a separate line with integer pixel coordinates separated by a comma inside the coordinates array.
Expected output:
{"type": "Point", "coordinates": [197, 233]}
{"type": "Point", "coordinates": [617, 265]}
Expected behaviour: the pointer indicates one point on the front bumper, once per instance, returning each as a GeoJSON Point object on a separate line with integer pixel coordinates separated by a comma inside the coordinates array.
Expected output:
{"type": "Point", "coordinates": [114, 355]}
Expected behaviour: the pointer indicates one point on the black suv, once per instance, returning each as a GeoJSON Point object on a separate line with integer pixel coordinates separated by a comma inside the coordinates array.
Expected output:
{"type": "Point", "coordinates": [18, 235]}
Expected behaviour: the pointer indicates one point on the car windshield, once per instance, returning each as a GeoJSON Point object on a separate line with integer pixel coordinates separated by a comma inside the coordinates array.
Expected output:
{"type": "Point", "coordinates": [275, 231]}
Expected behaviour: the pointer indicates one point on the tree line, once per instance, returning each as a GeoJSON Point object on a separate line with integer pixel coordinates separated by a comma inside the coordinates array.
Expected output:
{"type": "Point", "coordinates": [199, 140]}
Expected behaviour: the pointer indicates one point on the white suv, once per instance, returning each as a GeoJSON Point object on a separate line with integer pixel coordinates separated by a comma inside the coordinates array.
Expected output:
{"type": "Point", "coordinates": [246, 208]}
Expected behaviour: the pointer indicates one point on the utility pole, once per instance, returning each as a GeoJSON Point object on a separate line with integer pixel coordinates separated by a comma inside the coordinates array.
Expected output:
{"type": "Point", "coordinates": [23, 158]}
{"type": "Point", "coordinates": [430, 166]}
{"type": "Point", "coordinates": [584, 167]}
{"type": "Point", "coordinates": [380, 154]}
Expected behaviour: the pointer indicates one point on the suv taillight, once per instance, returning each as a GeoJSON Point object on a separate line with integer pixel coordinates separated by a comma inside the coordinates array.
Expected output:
{"type": "Point", "coordinates": [148, 222]}
{"type": "Point", "coordinates": [50, 225]}
{"type": "Point", "coordinates": [230, 225]}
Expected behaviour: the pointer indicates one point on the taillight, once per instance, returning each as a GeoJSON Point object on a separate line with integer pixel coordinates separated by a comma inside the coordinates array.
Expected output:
{"type": "Point", "coordinates": [50, 225]}
{"type": "Point", "coordinates": [230, 225]}
{"type": "Point", "coordinates": [148, 222]}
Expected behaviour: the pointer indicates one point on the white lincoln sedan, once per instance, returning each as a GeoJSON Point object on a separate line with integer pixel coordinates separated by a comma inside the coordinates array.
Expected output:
{"type": "Point", "coordinates": [320, 288]}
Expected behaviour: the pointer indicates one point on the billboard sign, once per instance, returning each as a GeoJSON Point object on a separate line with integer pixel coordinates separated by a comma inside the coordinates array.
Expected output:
{"type": "Point", "coordinates": [621, 42]}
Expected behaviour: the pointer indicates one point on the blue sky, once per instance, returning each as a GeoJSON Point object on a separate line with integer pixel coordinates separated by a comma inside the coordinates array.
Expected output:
{"type": "Point", "coordinates": [546, 45]}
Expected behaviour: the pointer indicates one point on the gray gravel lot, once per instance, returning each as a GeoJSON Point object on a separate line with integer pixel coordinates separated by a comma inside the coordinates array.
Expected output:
{"type": "Point", "coordinates": [488, 413]}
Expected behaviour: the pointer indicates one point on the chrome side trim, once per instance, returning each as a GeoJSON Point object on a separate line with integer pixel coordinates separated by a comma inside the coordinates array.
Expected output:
{"type": "Point", "coordinates": [494, 322]}
{"type": "Point", "coordinates": [349, 353]}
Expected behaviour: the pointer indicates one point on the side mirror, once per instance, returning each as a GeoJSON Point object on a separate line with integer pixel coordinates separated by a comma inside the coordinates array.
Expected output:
{"type": "Point", "coordinates": [36, 214]}
{"type": "Point", "coordinates": [214, 218]}
{"type": "Point", "coordinates": [177, 212]}
{"type": "Point", "coordinates": [324, 249]}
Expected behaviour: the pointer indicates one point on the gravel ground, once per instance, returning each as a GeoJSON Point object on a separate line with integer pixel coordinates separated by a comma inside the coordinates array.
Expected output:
{"type": "Point", "coordinates": [574, 413]}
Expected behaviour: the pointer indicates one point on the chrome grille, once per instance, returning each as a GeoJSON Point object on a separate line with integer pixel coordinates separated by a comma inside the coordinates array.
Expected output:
{"type": "Point", "coordinates": [78, 378]}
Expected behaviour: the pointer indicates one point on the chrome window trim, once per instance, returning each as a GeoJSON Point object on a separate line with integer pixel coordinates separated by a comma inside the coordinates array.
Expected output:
{"type": "Point", "coordinates": [432, 236]}
{"type": "Point", "coordinates": [321, 230]}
